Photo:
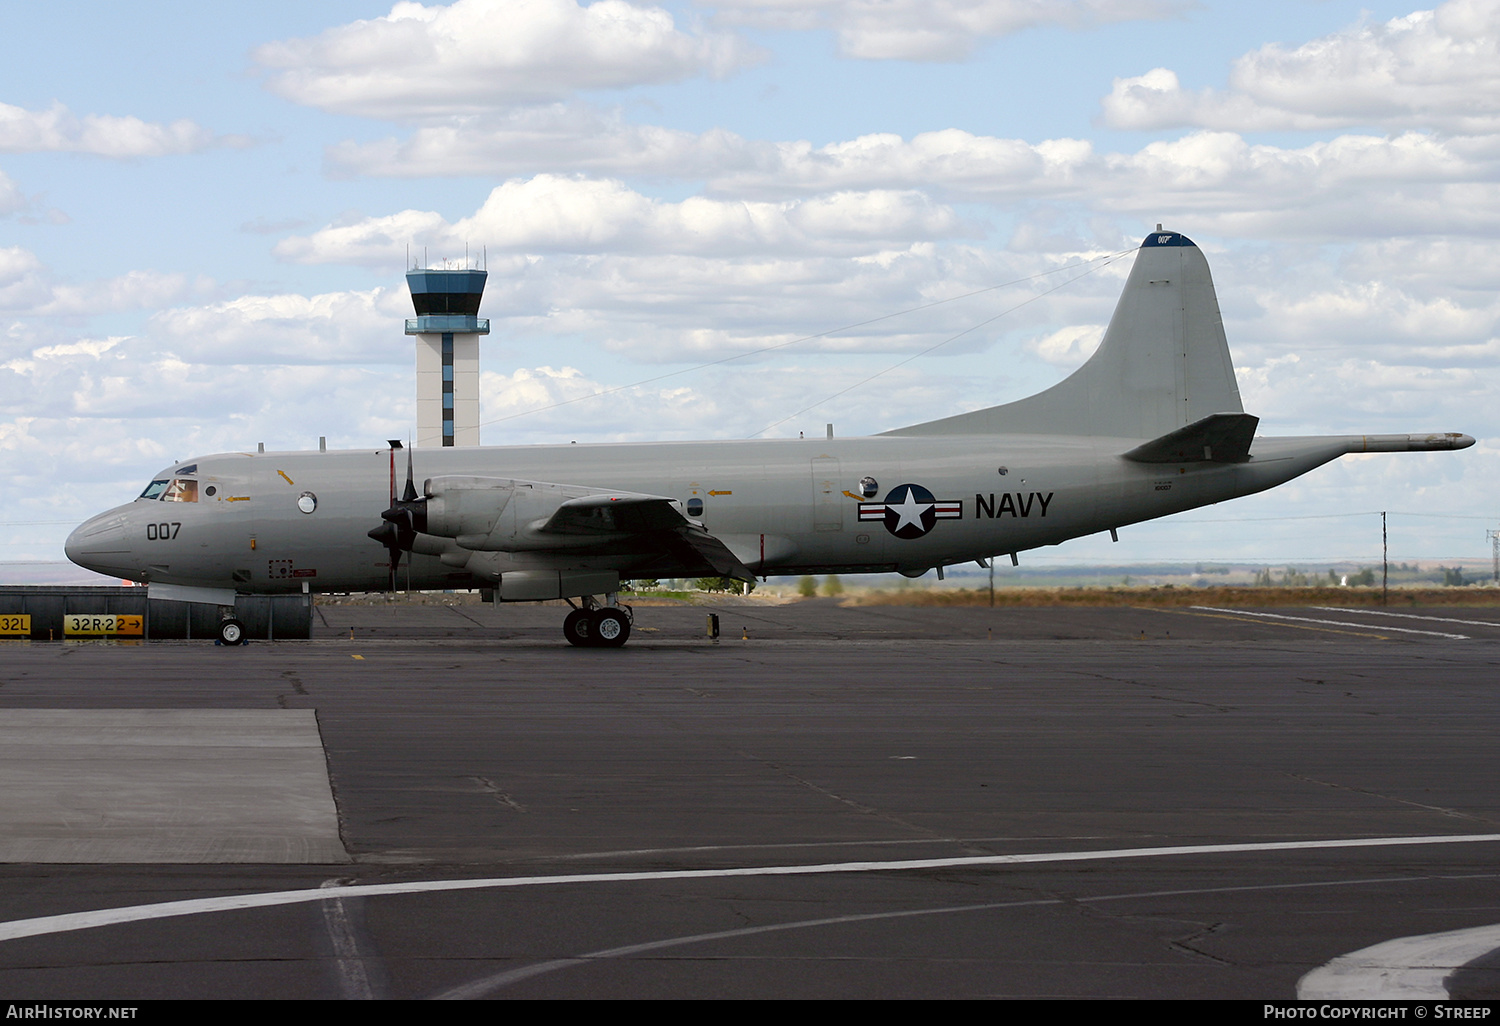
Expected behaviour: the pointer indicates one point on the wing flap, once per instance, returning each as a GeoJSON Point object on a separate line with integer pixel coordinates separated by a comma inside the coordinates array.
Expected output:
{"type": "Point", "coordinates": [655, 520]}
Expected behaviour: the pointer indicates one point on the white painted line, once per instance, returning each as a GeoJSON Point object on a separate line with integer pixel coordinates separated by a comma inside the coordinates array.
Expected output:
{"type": "Point", "coordinates": [488, 984]}
{"type": "Point", "coordinates": [1405, 969]}
{"type": "Point", "coordinates": [45, 925]}
{"type": "Point", "coordinates": [1409, 616]}
{"type": "Point", "coordinates": [1333, 623]}
{"type": "Point", "coordinates": [348, 961]}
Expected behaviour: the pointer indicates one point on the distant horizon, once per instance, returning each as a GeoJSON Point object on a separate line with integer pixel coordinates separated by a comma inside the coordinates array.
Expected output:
{"type": "Point", "coordinates": [47, 573]}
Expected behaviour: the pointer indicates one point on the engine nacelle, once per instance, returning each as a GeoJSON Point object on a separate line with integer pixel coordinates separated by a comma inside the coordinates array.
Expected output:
{"type": "Point", "coordinates": [465, 506]}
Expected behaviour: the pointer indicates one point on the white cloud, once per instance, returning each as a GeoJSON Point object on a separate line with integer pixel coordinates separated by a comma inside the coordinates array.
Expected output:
{"type": "Point", "coordinates": [547, 403]}
{"type": "Point", "coordinates": [27, 287]}
{"type": "Point", "coordinates": [1068, 347]}
{"type": "Point", "coordinates": [547, 137]}
{"type": "Point", "coordinates": [1214, 182]}
{"type": "Point", "coordinates": [11, 199]}
{"type": "Point", "coordinates": [289, 329]}
{"type": "Point", "coordinates": [551, 213]}
{"type": "Point", "coordinates": [1336, 393]}
{"type": "Point", "coordinates": [1206, 182]}
{"type": "Point", "coordinates": [23, 280]}
{"type": "Point", "coordinates": [1430, 70]}
{"type": "Point", "coordinates": [133, 290]}
{"type": "Point", "coordinates": [59, 130]}
{"type": "Point", "coordinates": [1454, 265]}
{"type": "Point", "coordinates": [95, 347]}
{"type": "Point", "coordinates": [477, 55]}
{"type": "Point", "coordinates": [1373, 315]}
{"type": "Point", "coordinates": [932, 30]}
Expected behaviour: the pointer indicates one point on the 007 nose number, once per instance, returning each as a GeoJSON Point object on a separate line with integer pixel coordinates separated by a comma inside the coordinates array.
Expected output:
{"type": "Point", "coordinates": [162, 532]}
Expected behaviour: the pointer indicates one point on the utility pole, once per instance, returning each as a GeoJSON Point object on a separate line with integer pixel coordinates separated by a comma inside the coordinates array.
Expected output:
{"type": "Point", "coordinates": [1385, 564]}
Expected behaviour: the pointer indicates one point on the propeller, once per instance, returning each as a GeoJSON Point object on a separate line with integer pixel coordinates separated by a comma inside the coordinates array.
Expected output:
{"type": "Point", "coordinates": [406, 518]}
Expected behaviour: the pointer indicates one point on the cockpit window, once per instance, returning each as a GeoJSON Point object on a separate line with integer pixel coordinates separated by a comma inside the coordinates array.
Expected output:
{"type": "Point", "coordinates": [154, 489]}
{"type": "Point", "coordinates": [191, 468]}
{"type": "Point", "coordinates": [182, 489]}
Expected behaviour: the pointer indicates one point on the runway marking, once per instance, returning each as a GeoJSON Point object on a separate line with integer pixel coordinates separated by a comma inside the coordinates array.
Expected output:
{"type": "Point", "coordinates": [1405, 969]}
{"type": "Point", "coordinates": [1335, 623]}
{"type": "Point", "coordinates": [1409, 616]}
{"type": "Point", "coordinates": [348, 960]}
{"type": "Point", "coordinates": [581, 856]}
{"type": "Point", "coordinates": [1242, 619]}
{"type": "Point", "coordinates": [44, 925]}
{"type": "Point", "coordinates": [489, 984]}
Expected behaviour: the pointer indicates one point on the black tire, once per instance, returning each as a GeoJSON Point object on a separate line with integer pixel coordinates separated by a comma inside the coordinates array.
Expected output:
{"type": "Point", "coordinates": [231, 631]}
{"type": "Point", "coordinates": [578, 628]}
{"type": "Point", "coordinates": [611, 628]}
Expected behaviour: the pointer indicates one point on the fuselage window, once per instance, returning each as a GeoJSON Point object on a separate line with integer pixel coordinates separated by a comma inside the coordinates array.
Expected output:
{"type": "Point", "coordinates": [695, 507]}
{"type": "Point", "coordinates": [182, 489]}
{"type": "Point", "coordinates": [154, 489]}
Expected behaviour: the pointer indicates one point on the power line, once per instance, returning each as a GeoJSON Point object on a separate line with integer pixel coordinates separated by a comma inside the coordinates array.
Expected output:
{"type": "Point", "coordinates": [924, 352]}
{"type": "Point", "coordinates": [822, 334]}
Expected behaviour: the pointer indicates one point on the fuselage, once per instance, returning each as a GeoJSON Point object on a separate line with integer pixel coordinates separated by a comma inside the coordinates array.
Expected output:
{"type": "Point", "coordinates": [293, 521]}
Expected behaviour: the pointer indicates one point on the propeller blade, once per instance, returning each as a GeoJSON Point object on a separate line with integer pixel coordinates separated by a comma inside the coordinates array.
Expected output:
{"type": "Point", "coordinates": [406, 518]}
{"type": "Point", "coordinates": [411, 488]}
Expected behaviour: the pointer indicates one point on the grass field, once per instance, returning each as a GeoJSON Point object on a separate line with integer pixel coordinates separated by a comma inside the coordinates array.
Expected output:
{"type": "Point", "coordinates": [1170, 596]}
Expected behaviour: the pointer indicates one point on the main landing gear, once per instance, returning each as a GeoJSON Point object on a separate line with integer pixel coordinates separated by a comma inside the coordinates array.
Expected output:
{"type": "Point", "coordinates": [231, 630]}
{"type": "Point", "coordinates": [596, 626]}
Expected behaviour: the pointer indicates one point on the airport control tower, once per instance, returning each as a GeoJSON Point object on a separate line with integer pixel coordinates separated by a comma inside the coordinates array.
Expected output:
{"type": "Point", "coordinates": [447, 327]}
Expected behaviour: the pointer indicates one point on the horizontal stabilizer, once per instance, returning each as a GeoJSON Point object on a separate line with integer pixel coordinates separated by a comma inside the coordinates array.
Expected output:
{"type": "Point", "coordinates": [1217, 438]}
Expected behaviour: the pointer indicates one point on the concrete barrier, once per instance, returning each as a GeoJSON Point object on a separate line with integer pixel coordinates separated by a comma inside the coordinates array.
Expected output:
{"type": "Point", "coordinates": [56, 613]}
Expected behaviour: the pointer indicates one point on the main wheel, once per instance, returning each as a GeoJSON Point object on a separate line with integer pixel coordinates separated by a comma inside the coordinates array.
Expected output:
{"type": "Point", "coordinates": [578, 628]}
{"type": "Point", "coordinates": [611, 628]}
{"type": "Point", "coordinates": [231, 631]}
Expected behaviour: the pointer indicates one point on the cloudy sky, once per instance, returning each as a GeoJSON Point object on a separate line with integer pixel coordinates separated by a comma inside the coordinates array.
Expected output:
{"type": "Point", "coordinates": [205, 213]}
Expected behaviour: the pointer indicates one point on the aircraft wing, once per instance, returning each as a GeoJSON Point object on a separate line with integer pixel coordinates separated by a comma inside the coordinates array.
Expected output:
{"type": "Point", "coordinates": [610, 515]}
{"type": "Point", "coordinates": [614, 513]}
{"type": "Point", "coordinates": [649, 532]}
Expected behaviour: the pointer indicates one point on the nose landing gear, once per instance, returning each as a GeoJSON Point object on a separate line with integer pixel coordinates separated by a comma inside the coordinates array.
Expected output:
{"type": "Point", "coordinates": [596, 626]}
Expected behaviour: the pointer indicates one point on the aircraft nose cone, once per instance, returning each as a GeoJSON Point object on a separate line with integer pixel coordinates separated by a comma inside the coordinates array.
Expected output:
{"type": "Point", "coordinates": [102, 544]}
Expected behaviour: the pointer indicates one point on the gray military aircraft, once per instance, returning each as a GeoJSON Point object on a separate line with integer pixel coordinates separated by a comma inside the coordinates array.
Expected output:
{"type": "Point", "coordinates": [1150, 425]}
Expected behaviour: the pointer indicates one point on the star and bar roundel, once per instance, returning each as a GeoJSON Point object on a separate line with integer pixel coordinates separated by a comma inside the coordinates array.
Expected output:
{"type": "Point", "coordinates": [909, 511]}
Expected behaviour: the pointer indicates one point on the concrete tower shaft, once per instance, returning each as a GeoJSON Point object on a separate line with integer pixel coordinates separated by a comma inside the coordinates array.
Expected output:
{"type": "Point", "coordinates": [447, 327]}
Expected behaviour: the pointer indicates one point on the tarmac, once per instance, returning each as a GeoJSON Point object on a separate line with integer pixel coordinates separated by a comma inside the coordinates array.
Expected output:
{"type": "Point", "coordinates": [451, 802]}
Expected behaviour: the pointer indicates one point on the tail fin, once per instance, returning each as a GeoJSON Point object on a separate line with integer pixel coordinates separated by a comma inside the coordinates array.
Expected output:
{"type": "Point", "coordinates": [1163, 363]}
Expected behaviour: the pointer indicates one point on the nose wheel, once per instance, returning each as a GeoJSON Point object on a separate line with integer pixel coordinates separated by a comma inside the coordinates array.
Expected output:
{"type": "Point", "coordinates": [597, 627]}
